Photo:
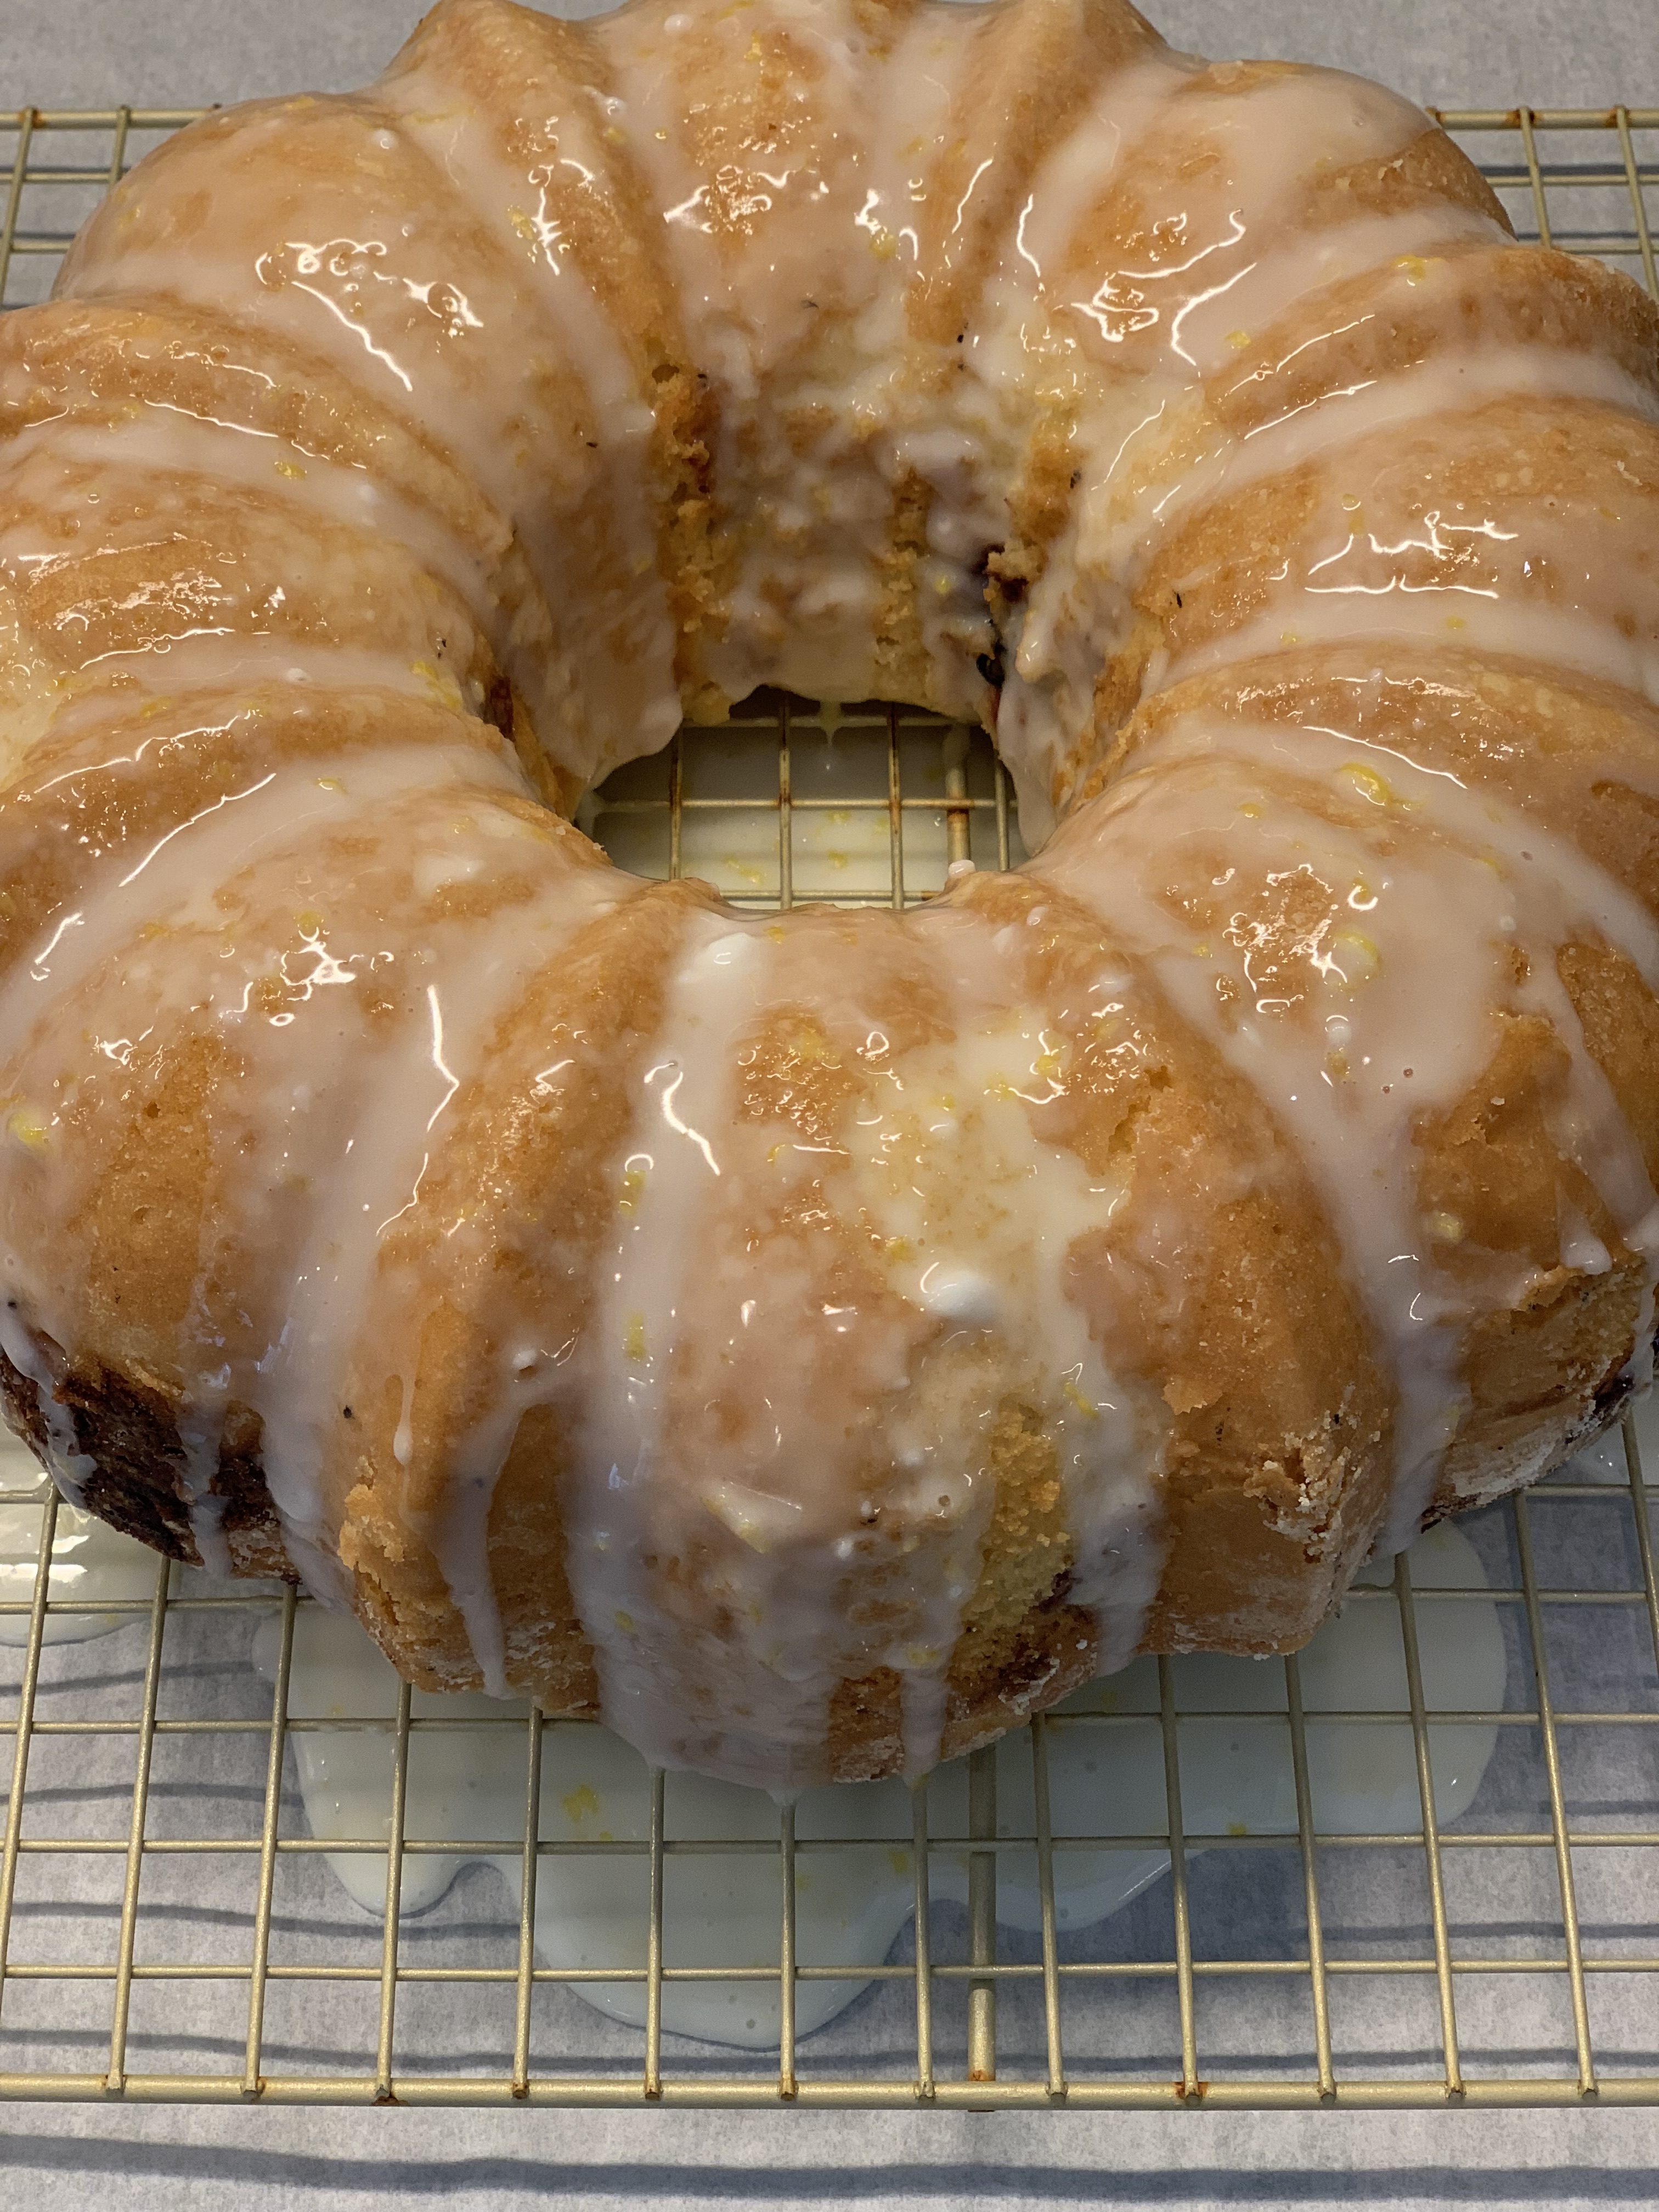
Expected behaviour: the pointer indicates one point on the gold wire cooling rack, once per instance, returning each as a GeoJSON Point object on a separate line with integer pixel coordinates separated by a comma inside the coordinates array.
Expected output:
{"type": "Point", "coordinates": [167, 1930]}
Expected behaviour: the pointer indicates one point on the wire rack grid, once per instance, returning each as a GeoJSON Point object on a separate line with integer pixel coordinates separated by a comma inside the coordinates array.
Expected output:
{"type": "Point", "coordinates": [1509, 1958]}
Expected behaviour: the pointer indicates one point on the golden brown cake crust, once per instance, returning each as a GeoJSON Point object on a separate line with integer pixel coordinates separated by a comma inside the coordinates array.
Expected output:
{"type": "Point", "coordinates": [815, 1344]}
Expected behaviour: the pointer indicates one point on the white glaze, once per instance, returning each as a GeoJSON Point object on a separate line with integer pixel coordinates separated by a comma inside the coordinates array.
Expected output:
{"type": "Point", "coordinates": [717, 1387]}
{"type": "Point", "coordinates": [166, 444]}
{"type": "Point", "coordinates": [67, 1464]}
{"type": "Point", "coordinates": [1352, 1072]}
{"type": "Point", "coordinates": [633, 703]}
{"type": "Point", "coordinates": [395, 1129]}
{"type": "Point", "coordinates": [89, 1560]}
{"type": "Point", "coordinates": [178, 878]}
{"type": "Point", "coordinates": [994, 1189]}
{"type": "Point", "coordinates": [1104, 1779]}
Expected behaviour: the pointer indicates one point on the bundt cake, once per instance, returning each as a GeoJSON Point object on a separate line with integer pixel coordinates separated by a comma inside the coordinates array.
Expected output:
{"type": "Point", "coordinates": [815, 1342]}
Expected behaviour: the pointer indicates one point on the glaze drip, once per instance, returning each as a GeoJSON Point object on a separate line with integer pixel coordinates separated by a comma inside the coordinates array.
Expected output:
{"type": "Point", "coordinates": [817, 1342]}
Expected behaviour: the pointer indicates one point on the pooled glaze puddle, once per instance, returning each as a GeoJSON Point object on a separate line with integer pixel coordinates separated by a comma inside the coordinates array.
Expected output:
{"type": "Point", "coordinates": [723, 1910]}
{"type": "Point", "coordinates": [1106, 1778]}
{"type": "Point", "coordinates": [89, 1560]}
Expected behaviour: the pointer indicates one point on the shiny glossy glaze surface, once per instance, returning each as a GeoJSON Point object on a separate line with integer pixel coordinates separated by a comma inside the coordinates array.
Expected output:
{"type": "Point", "coordinates": [704, 1278]}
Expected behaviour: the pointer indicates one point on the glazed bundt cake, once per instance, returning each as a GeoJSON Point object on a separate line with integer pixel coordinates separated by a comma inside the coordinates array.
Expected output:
{"type": "Point", "coordinates": [815, 1342]}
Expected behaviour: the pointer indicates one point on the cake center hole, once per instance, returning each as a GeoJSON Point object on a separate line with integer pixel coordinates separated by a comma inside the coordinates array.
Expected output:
{"type": "Point", "coordinates": [798, 802]}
